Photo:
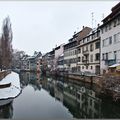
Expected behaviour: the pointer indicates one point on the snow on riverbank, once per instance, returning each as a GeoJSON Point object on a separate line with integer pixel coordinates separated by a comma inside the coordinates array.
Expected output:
{"type": "Point", "coordinates": [12, 91]}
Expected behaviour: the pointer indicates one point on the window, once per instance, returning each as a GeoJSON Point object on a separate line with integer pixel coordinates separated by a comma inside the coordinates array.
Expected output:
{"type": "Point", "coordinates": [97, 56]}
{"type": "Point", "coordinates": [82, 58]}
{"type": "Point", "coordinates": [117, 38]}
{"type": "Point", "coordinates": [91, 67]}
{"type": "Point", "coordinates": [91, 58]}
{"type": "Point", "coordinates": [97, 45]}
{"type": "Point", "coordinates": [79, 59]}
{"type": "Point", "coordinates": [106, 42]}
{"type": "Point", "coordinates": [115, 55]}
{"type": "Point", "coordinates": [98, 34]}
{"type": "Point", "coordinates": [79, 68]}
{"type": "Point", "coordinates": [106, 28]}
{"type": "Point", "coordinates": [103, 42]}
{"type": "Point", "coordinates": [88, 38]}
{"type": "Point", "coordinates": [83, 40]}
{"type": "Point", "coordinates": [75, 52]}
{"type": "Point", "coordinates": [110, 40]}
{"type": "Point", "coordinates": [79, 50]}
{"type": "Point", "coordinates": [91, 47]}
{"type": "Point", "coordinates": [91, 102]}
{"type": "Point", "coordinates": [106, 56]}
{"type": "Point", "coordinates": [86, 67]}
{"type": "Point", "coordinates": [87, 48]}
{"type": "Point", "coordinates": [82, 67]}
{"type": "Point", "coordinates": [103, 56]}
{"type": "Point", "coordinates": [82, 49]}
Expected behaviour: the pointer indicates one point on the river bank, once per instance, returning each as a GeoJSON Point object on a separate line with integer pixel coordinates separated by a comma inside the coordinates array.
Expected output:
{"type": "Point", "coordinates": [109, 84]}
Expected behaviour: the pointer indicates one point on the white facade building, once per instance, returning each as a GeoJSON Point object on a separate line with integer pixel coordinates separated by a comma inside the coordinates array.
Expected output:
{"type": "Point", "coordinates": [70, 57]}
{"type": "Point", "coordinates": [110, 39]}
{"type": "Point", "coordinates": [58, 53]}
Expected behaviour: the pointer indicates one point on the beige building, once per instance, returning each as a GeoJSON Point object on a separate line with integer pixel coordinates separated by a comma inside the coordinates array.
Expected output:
{"type": "Point", "coordinates": [71, 50]}
{"type": "Point", "coordinates": [89, 53]}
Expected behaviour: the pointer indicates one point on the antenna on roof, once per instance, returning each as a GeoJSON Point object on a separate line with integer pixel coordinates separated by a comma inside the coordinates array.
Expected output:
{"type": "Point", "coordinates": [103, 16]}
{"type": "Point", "coordinates": [92, 18]}
{"type": "Point", "coordinates": [77, 29]}
{"type": "Point", "coordinates": [95, 23]}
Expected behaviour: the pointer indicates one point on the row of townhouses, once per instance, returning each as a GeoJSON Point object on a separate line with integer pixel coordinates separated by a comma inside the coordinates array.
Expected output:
{"type": "Point", "coordinates": [25, 62]}
{"type": "Point", "coordinates": [89, 50]}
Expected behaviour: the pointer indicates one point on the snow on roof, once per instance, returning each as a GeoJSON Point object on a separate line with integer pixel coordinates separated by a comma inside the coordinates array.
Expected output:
{"type": "Point", "coordinates": [115, 65]}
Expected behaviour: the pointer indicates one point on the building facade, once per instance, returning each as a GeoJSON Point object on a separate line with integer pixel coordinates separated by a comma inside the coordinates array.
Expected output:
{"type": "Point", "coordinates": [58, 53]}
{"type": "Point", "coordinates": [110, 39]}
{"type": "Point", "coordinates": [70, 57]}
{"type": "Point", "coordinates": [60, 62]}
{"type": "Point", "coordinates": [89, 53]}
{"type": "Point", "coordinates": [71, 50]}
{"type": "Point", "coordinates": [34, 61]}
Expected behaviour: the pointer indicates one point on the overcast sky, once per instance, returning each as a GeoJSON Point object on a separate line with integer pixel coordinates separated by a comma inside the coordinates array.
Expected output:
{"type": "Point", "coordinates": [42, 25]}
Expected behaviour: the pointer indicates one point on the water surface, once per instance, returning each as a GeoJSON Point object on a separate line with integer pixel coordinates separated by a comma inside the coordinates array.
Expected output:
{"type": "Point", "coordinates": [50, 98]}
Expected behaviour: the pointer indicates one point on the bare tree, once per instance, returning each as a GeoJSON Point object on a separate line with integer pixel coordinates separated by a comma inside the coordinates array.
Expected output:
{"type": "Point", "coordinates": [6, 44]}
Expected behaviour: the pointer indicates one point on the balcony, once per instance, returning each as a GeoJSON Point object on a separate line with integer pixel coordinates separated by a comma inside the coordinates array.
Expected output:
{"type": "Point", "coordinates": [85, 62]}
{"type": "Point", "coordinates": [86, 52]}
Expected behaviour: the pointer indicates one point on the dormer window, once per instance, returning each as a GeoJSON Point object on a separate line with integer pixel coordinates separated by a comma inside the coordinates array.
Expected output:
{"type": "Point", "coordinates": [88, 38]}
{"type": "Point", "coordinates": [106, 28]}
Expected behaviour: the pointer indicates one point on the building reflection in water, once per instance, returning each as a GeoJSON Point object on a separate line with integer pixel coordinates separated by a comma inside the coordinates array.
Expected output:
{"type": "Point", "coordinates": [79, 99]}
{"type": "Point", "coordinates": [32, 79]}
{"type": "Point", "coordinates": [81, 102]}
{"type": "Point", "coordinates": [6, 111]}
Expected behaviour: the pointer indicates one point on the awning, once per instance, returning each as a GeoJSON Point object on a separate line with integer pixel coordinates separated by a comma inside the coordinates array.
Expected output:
{"type": "Point", "coordinates": [115, 65]}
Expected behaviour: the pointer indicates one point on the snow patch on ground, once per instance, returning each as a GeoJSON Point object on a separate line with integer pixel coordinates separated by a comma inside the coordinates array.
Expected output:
{"type": "Point", "coordinates": [14, 89]}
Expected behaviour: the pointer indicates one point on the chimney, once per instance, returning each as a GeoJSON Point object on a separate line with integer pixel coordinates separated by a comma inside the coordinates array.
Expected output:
{"type": "Point", "coordinates": [98, 25]}
{"type": "Point", "coordinates": [74, 32]}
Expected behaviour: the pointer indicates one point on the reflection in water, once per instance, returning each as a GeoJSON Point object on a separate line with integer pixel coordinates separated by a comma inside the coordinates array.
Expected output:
{"type": "Point", "coordinates": [53, 98]}
{"type": "Point", "coordinates": [31, 79]}
{"type": "Point", "coordinates": [81, 102]}
{"type": "Point", "coordinates": [6, 111]}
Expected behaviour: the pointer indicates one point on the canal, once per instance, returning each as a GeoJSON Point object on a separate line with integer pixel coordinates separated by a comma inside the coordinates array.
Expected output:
{"type": "Point", "coordinates": [52, 98]}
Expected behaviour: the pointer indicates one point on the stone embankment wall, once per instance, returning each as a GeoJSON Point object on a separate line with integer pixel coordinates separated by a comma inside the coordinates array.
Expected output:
{"type": "Point", "coordinates": [98, 80]}
{"type": "Point", "coordinates": [109, 84]}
